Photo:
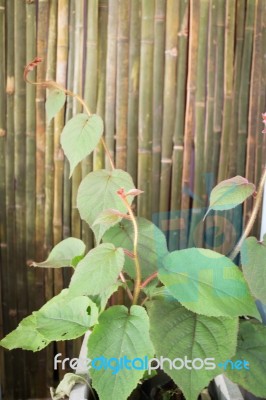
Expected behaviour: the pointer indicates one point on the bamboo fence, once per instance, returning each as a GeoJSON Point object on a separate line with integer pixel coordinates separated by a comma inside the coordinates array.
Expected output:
{"type": "Point", "coordinates": [181, 87]}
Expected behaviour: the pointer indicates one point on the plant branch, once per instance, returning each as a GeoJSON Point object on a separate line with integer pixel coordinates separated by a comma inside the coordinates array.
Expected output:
{"type": "Point", "coordinates": [149, 279]}
{"type": "Point", "coordinates": [137, 285]}
{"type": "Point", "coordinates": [126, 286]}
{"type": "Point", "coordinates": [252, 217]}
{"type": "Point", "coordinates": [55, 85]}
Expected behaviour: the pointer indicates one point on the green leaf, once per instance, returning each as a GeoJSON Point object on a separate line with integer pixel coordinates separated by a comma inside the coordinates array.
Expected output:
{"type": "Point", "coordinates": [101, 299]}
{"type": "Point", "coordinates": [178, 333]}
{"type": "Point", "coordinates": [80, 136]}
{"type": "Point", "coordinates": [229, 193]}
{"type": "Point", "coordinates": [63, 254]}
{"type": "Point", "coordinates": [66, 385]}
{"type": "Point", "coordinates": [207, 283]}
{"type": "Point", "coordinates": [252, 348]}
{"type": "Point", "coordinates": [54, 102]}
{"type": "Point", "coordinates": [253, 259]}
{"type": "Point", "coordinates": [120, 333]}
{"type": "Point", "coordinates": [152, 245]}
{"type": "Point", "coordinates": [98, 192]}
{"type": "Point", "coordinates": [25, 336]}
{"type": "Point", "coordinates": [65, 317]}
{"type": "Point", "coordinates": [98, 270]}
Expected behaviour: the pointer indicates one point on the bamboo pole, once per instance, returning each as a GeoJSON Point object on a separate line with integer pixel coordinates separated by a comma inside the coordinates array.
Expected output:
{"type": "Point", "coordinates": [49, 171]}
{"type": "Point", "coordinates": [169, 102]}
{"type": "Point", "coordinates": [20, 174]}
{"type": "Point", "coordinates": [189, 118]}
{"type": "Point", "coordinates": [254, 107]}
{"type": "Point", "coordinates": [199, 196]}
{"type": "Point", "coordinates": [122, 83]}
{"type": "Point", "coordinates": [240, 24]}
{"type": "Point", "coordinates": [145, 108]}
{"type": "Point", "coordinates": [9, 289]}
{"type": "Point", "coordinates": [219, 81]}
{"type": "Point", "coordinates": [133, 89]}
{"type": "Point", "coordinates": [228, 87]}
{"type": "Point", "coordinates": [90, 92]}
{"type": "Point", "coordinates": [111, 59]}
{"type": "Point", "coordinates": [61, 77]}
{"type": "Point", "coordinates": [3, 225]}
{"type": "Point", "coordinates": [244, 87]}
{"type": "Point", "coordinates": [77, 62]}
{"type": "Point", "coordinates": [178, 149]}
{"type": "Point", "coordinates": [158, 88]}
{"type": "Point", "coordinates": [211, 62]}
{"type": "Point", "coordinates": [99, 153]}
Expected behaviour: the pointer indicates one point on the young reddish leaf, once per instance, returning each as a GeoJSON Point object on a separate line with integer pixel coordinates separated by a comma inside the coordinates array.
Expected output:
{"type": "Point", "coordinates": [229, 193]}
{"type": "Point", "coordinates": [134, 192]}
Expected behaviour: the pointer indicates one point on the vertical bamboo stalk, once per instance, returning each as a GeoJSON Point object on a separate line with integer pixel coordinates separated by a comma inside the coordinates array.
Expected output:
{"type": "Point", "coordinates": [20, 174]}
{"type": "Point", "coordinates": [244, 87]}
{"type": "Point", "coordinates": [111, 59]}
{"type": "Point", "coordinates": [228, 87]}
{"type": "Point", "coordinates": [42, 24]}
{"type": "Point", "coordinates": [189, 118]}
{"type": "Point", "coordinates": [77, 62]}
{"type": "Point", "coordinates": [49, 171]}
{"type": "Point", "coordinates": [61, 69]}
{"type": "Point", "coordinates": [169, 101]}
{"type": "Point", "coordinates": [122, 83]}
{"type": "Point", "coordinates": [218, 91]}
{"type": "Point", "coordinates": [199, 197]}
{"type": "Point", "coordinates": [91, 86]}
{"type": "Point", "coordinates": [157, 117]}
{"type": "Point", "coordinates": [178, 149]}
{"type": "Point", "coordinates": [254, 105]}
{"type": "Point", "coordinates": [133, 89]}
{"type": "Point", "coordinates": [9, 289]}
{"type": "Point", "coordinates": [99, 153]}
{"type": "Point", "coordinates": [3, 226]}
{"type": "Point", "coordinates": [145, 108]}
{"type": "Point", "coordinates": [240, 24]}
{"type": "Point", "coordinates": [211, 61]}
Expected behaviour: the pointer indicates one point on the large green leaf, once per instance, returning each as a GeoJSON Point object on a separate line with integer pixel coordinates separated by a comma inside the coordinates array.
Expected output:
{"type": "Point", "coordinates": [65, 317]}
{"type": "Point", "coordinates": [25, 336]}
{"type": "Point", "coordinates": [229, 193]}
{"type": "Point", "coordinates": [98, 192]}
{"type": "Point", "coordinates": [54, 102]}
{"type": "Point", "coordinates": [178, 333]}
{"type": "Point", "coordinates": [251, 347]}
{"type": "Point", "coordinates": [121, 332]}
{"type": "Point", "coordinates": [207, 283]}
{"type": "Point", "coordinates": [253, 259]}
{"type": "Point", "coordinates": [98, 270]}
{"type": "Point", "coordinates": [80, 136]}
{"type": "Point", "coordinates": [152, 245]}
{"type": "Point", "coordinates": [63, 254]}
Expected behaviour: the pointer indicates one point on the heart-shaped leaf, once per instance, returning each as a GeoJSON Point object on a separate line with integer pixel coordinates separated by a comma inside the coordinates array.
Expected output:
{"type": "Point", "coordinates": [152, 245]}
{"type": "Point", "coordinates": [120, 332]}
{"type": "Point", "coordinates": [80, 136]}
{"type": "Point", "coordinates": [229, 193]}
{"type": "Point", "coordinates": [98, 192]}
{"type": "Point", "coordinates": [63, 254]}
{"type": "Point", "coordinates": [25, 336]}
{"type": "Point", "coordinates": [251, 347]}
{"type": "Point", "coordinates": [98, 270]}
{"type": "Point", "coordinates": [207, 283]}
{"type": "Point", "coordinates": [55, 100]}
{"type": "Point", "coordinates": [253, 259]}
{"type": "Point", "coordinates": [177, 333]}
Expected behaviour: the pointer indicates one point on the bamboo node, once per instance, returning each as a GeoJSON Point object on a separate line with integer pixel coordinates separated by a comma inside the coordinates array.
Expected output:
{"type": "Point", "coordinates": [10, 85]}
{"type": "Point", "coordinates": [166, 161]}
{"type": "Point", "coordinates": [171, 52]}
{"type": "Point", "coordinates": [178, 147]}
{"type": "Point", "coordinates": [2, 133]}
